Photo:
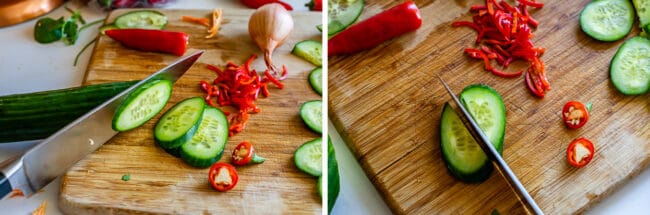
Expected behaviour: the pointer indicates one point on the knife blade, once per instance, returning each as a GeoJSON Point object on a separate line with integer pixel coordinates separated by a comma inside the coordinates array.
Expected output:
{"type": "Point", "coordinates": [491, 152]}
{"type": "Point", "coordinates": [54, 155]}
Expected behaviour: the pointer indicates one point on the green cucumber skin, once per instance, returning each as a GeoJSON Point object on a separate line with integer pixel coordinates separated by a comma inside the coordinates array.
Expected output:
{"type": "Point", "coordinates": [131, 98]}
{"type": "Point", "coordinates": [303, 165]}
{"type": "Point", "coordinates": [620, 84]}
{"type": "Point", "coordinates": [585, 22]}
{"type": "Point", "coordinates": [335, 25]}
{"type": "Point", "coordinates": [177, 142]}
{"type": "Point", "coordinates": [304, 114]}
{"type": "Point", "coordinates": [333, 180]}
{"type": "Point", "coordinates": [188, 154]}
{"type": "Point", "coordinates": [32, 116]}
{"type": "Point", "coordinates": [119, 21]}
{"type": "Point", "coordinates": [486, 168]}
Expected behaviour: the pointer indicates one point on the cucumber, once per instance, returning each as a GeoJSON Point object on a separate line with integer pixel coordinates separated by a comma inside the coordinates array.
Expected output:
{"type": "Point", "coordinates": [311, 113]}
{"type": "Point", "coordinates": [144, 19]}
{"type": "Point", "coordinates": [309, 50]}
{"type": "Point", "coordinates": [316, 80]}
{"type": "Point", "coordinates": [341, 14]}
{"type": "Point", "coordinates": [179, 123]}
{"type": "Point", "coordinates": [463, 156]}
{"type": "Point", "coordinates": [142, 105]}
{"type": "Point", "coordinates": [607, 20]}
{"type": "Point", "coordinates": [630, 67]}
{"type": "Point", "coordinates": [643, 12]}
{"type": "Point", "coordinates": [308, 157]}
{"type": "Point", "coordinates": [333, 181]}
{"type": "Point", "coordinates": [106, 28]}
{"type": "Point", "coordinates": [22, 115]}
{"type": "Point", "coordinates": [209, 141]}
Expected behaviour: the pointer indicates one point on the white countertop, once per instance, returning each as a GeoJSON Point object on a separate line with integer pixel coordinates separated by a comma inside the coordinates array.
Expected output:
{"type": "Point", "coordinates": [27, 66]}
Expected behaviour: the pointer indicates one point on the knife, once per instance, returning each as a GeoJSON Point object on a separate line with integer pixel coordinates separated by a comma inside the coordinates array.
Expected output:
{"type": "Point", "coordinates": [53, 156]}
{"type": "Point", "coordinates": [491, 152]}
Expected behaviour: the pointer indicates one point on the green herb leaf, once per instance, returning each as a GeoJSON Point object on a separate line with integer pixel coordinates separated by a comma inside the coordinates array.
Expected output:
{"type": "Point", "coordinates": [48, 30]}
{"type": "Point", "coordinates": [71, 32]}
{"type": "Point", "coordinates": [126, 177]}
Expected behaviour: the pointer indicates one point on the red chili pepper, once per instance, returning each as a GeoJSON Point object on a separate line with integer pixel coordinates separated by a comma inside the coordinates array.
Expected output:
{"type": "Point", "coordinates": [244, 154]}
{"type": "Point", "coordinates": [151, 40]}
{"type": "Point", "coordinates": [575, 114]}
{"type": "Point", "coordinates": [373, 31]}
{"type": "Point", "coordinates": [258, 3]}
{"type": "Point", "coordinates": [580, 152]}
{"type": "Point", "coordinates": [222, 177]}
{"type": "Point", "coordinates": [315, 5]}
{"type": "Point", "coordinates": [506, 32]}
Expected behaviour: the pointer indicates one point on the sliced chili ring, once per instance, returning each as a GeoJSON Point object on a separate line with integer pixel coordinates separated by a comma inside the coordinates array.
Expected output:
{"type": "Point", "coordinates": [223, 177]}
{"type": "Point", "coordinates": [575, 114]}
{"type": "Point", "coordinates": [580, 152]}
{"type": "Point", "coordinates": [244, 154]}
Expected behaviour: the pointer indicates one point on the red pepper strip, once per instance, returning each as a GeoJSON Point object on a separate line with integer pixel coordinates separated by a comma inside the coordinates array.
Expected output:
{"type": "Point", "coordinates": [373, 31]}
{"type": "Point", "coordinates": [151, 40]}
{"type": "Point", "coordinates": [315, 5]}
{"type": "Point", "coordinates": [506, 75]}
{"type": "Point", "coordinates": [531, 87]}
{"type": "Point", "coordinates": [476, 8]}
{"type": "Point", "coordinates": [273, 79]}
{"type": "Point", "coordinates": [531, 4]}
{"type": "Point", "coordinates": [465, 23]}
{"type": "Point", "coordinates": [258, 3]}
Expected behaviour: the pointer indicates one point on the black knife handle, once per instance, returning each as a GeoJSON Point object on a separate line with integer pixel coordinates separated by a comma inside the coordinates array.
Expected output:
{"type": "Point", "coordinates": [5, 186]}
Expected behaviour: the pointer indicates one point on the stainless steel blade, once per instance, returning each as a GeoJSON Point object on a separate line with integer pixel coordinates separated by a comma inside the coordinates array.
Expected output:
{"type": "Point", "coordinates": [494, 156]}
{"type": "Point", "coordinates": [57, 153]}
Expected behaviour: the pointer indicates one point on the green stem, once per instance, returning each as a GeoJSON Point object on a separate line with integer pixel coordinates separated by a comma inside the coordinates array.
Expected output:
{"type": "Point", "coordinates": [589, 106]}
{"type": "Point", "coordinates": [257, 159]}
{"type": "Point", "coordinates": [91, 24]}
{"type": "Point", "coordinates": [82, 50]}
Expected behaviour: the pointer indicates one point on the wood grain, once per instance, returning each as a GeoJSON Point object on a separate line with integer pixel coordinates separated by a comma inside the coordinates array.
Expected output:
{"type": "Point", "coordinates": [386, 103]}
{"type": "Point", "coordinates": [161, 183]}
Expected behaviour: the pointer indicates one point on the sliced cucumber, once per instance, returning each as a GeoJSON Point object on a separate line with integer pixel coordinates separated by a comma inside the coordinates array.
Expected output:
{"type": "Point", "coordinates": [311, 113]}
{"type": "Point", "coordinates": [333, 181]}
{"type": "Point", "coordinates": [308, 157]}
{"type": "Point", "coordinates": [179, 123]}
{"type": "Point", "coordinates": [207, 144]}
{"type": "Point", "coordinates": [309, 50]}
{"type": "Point", "coordinates": [607, 20]}
{"type": "Point", "coordinates": [464, 157]}
{"type": "Point", "coordinates": [145, 19]}
{"type": "Point", "coordinates": [341, 14]}
{"type": "Point", "coordinates": [642, 11]}
{"type": "Point", "coordinates": [316, 80]}
{"type": "Point", "coordinates": [630, 67]}
{"type": "Point", "coordinates": [142, 105]}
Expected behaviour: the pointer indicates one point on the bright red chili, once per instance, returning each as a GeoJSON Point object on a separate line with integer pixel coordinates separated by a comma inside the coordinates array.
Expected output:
{"type": "Point", "coordinates": [506, 32]}
{"type": "Point", "coordinates": [580, 152]}
{"type": "Point", "coordinates": [258, 3]}
{"type": "Point", "coordinates": [373, 31]}
{"type": "Point", "coordinates": [315, 5]}
{"type": "Point", "coordinates": [244, 154]}
{"type": "Point", "coordinates": [222, 177]}
{"type": "Point", "coordinates": [171, 42]}
{"type": "Point", "coordinates": [575, 114]}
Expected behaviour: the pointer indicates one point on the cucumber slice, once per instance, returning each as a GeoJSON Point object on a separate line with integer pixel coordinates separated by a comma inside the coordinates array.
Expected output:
{"type": "Point", "coordinates": [333, 181]}
{"type": "Point", "coordinates": [144, 19]}
{"type": "Point", "coordinates": [607, 20]}
{"type": "Point", "coordinates": [207, 144]}
{"type": "Point", "coordinates": [642, 11]}
{"type": "Point", "coordinates": [142, 105]}
{"type": "Point", "coordinates": [179, 123]}
{"type": "Point", "coordinates": [311, 113]}
{"type": "Point", "coordinates": [308, 157]}
{"type": "Point", "coordinates": [463, 156]}
{"type": "Point", "coordinates": [309, 50]}
{"type": "Point", "coordinates": [316, 80]}
{"type": "Point", "coordinates": [630, 67]}
{"type": "Point", "coordinates": [341, 14]}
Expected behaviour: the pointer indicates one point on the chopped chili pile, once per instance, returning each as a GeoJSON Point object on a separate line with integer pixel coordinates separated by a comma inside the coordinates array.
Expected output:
{"type": "Point", "coordinates": [504, 34]}
{"type": "Point", "coordinates": [239, 87]}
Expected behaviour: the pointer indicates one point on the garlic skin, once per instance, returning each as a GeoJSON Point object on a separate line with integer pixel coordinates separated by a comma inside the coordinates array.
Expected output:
{"type": "Point", "coordinates": [269, 26]}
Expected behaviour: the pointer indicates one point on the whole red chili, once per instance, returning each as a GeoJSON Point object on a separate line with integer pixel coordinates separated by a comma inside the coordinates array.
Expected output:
{"type": "Point", "coordinates": [506, 32]}
{"type": "Point", "coordinates": [373, 31]}
{"type": "Point", "coordinates": [315, 5]}
{"type": "Point", "coordinates": [171, 42]}
{"type": "Point", "coordinates": [258, 3]}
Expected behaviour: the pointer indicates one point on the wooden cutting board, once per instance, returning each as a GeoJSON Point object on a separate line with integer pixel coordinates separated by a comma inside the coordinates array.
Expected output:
{"type": "Point", "coordinates": [161, 183]}
{"type": "Point", "coordinates": [386, 103]}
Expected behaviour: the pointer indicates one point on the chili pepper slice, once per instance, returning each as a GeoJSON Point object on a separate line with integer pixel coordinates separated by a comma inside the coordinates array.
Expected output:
{"type": "Point", "coordinates": [244, 154]}
{"type": "Point", "coordinates": [580, 152]}
{"type": "Point", "coordinates": [171, 42]}
{"type": "Point", "coordinates": [575, 114]}
{"type": "Point", "coordinates": [222, 177]}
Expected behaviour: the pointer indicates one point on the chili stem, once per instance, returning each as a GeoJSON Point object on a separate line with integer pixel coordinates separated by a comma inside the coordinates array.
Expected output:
{"type": "Point", "coordinates": [257, 159]}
